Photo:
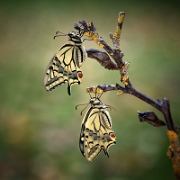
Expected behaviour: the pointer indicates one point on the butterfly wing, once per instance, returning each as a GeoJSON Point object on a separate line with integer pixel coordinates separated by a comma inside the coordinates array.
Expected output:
{"type": "Point", "coordinates": [96, 133]}
{"type": "Point", "coordinates": [65, 67]}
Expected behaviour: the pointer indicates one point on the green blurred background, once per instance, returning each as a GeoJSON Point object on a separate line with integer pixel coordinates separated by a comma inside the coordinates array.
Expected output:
{"type": "Point", "coordinates": [39, 130]}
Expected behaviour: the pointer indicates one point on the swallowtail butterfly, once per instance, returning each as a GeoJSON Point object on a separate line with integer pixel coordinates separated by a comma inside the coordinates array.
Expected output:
{"type": "Point", "coordinates": [65, 66]}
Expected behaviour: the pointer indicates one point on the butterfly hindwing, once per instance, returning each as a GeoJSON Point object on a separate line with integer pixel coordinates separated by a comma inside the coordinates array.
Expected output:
{"type": "Point", "coordinates": [65, 66]}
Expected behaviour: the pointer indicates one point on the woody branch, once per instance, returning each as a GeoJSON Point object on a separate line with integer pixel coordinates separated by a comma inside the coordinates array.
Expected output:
{"type": "Point", "coordinates": [105, 59]}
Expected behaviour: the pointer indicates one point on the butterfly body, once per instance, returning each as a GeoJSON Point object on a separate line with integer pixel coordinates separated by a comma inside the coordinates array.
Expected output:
{"type": "Point", "coordinates": [96, 131]}
{"type": "Point", "coordinates": [65, 66]}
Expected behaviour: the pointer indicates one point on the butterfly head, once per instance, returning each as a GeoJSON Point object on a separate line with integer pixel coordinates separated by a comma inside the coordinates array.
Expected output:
{"type": "Point", "coordinates": [95, 102]}
{"type": "Point", "coordinates": [75, 37]}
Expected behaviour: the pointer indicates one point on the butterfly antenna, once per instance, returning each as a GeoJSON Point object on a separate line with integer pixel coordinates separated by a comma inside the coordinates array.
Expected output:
{"type": "Point", "coordinates": [80, 105]}
{"type": "Point", "coordinates": [84, 108]}
{"type": "Point", "coordinates": [59, 33]}
{"type": "Point", "coordinates": [111, 107]}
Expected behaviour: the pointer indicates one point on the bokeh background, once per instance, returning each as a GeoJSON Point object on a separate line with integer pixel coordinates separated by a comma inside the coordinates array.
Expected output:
{"type": "Point", "coordinates": [39, 130]}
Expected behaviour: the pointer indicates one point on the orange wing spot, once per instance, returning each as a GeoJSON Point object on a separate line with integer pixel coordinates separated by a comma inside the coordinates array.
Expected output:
{"type": "Point", "coordinates": [112, 135]}
{"type": "Point", "coordinates": [80, 74]}
{"type": "Point", "coordinates": [69, 72]}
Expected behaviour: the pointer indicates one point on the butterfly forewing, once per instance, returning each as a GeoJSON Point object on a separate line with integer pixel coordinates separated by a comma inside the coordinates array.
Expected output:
{"type": "Point", "coordinates": [96, 133]}
{"type": "Point", "coordinates": [65, 66]}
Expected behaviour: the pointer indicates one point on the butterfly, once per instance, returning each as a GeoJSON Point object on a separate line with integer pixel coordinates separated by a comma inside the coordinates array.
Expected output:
{"type": "Point", "coordinates": [65, 66]}
{"type": "Point", "coordinates": [96, 130]}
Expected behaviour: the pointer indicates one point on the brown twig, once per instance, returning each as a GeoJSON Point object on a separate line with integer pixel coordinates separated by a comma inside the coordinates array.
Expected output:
{"type": "Point", "coordinates": [105, 59]}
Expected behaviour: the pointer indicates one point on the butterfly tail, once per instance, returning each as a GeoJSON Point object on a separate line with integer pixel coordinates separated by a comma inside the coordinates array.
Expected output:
{"type": "Point", "coordinates": [69, 89]}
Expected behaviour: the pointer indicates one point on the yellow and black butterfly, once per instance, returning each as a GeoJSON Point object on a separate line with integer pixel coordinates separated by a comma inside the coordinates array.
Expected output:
{"type": "Point", "coordinates": [65, 66]}
{"type": "Point", "coordinates": [96, 130]}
